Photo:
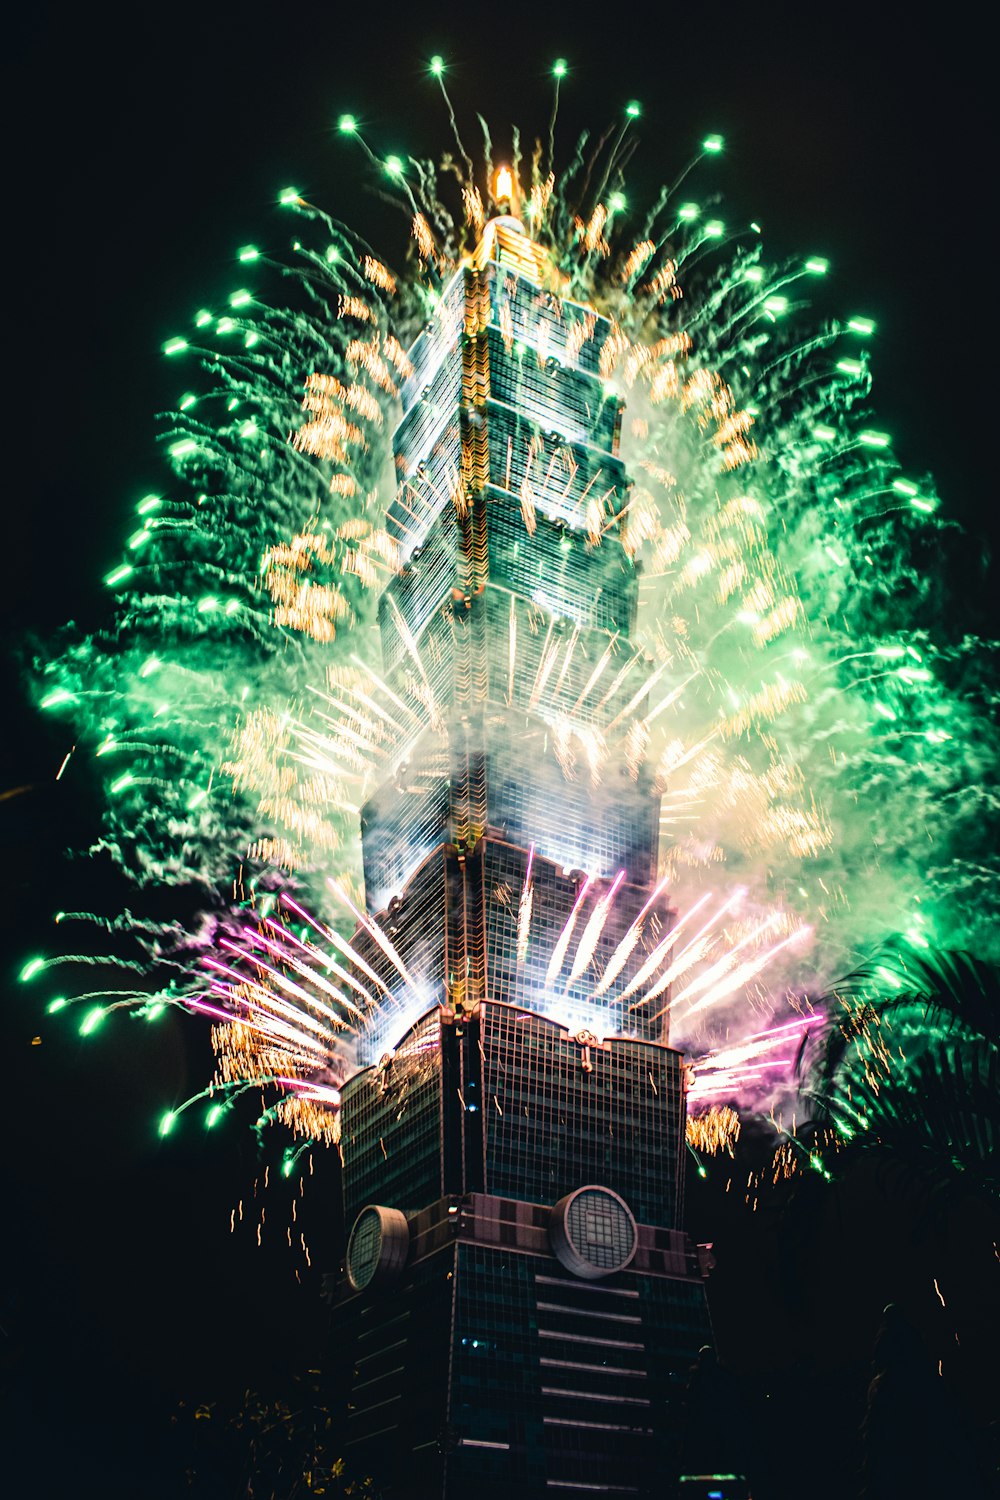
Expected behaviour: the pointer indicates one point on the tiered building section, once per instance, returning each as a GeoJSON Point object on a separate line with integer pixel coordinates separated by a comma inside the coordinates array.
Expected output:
{"type": "Point", "coordinates": [518, 1303]}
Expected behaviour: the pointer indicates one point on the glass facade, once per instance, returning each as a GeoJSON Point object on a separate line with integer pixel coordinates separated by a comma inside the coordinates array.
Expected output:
{"type": "Point", "coordinates": [492, 1373]}
{"type": "Point", "coordinates": [511, 1103]}
{"type": "Point", "coordinates": [451, 793]}
{"type": "Point", "coordinates": [518, 972]}
{"type": "Point", "coordinates": [553, 1125]}
{"type": "Point", "coordinates": [391, 1126]}
{"type": "Point", "coordinates": [519, 1125]}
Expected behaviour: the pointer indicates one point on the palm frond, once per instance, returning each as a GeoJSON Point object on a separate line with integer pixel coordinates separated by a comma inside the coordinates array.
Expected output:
{"type": "Point", "coordinates": [911, 1058]}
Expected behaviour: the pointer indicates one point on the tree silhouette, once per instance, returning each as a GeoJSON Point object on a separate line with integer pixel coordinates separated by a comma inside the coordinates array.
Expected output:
{"type": "Point", "coordinates": [911, 1062]}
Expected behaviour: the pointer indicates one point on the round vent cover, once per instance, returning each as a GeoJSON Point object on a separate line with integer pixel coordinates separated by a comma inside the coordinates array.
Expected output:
{"type": "Point", "coordinates": [378, 1247]}
{"type": "Point", "coordinates": [593, 1233]}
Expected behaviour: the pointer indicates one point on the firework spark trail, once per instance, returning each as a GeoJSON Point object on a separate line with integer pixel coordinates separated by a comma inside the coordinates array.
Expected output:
{"type": "Point", "coordinates": [668, 702]}
{"type": "Point", "coordinates": [735, 1083]}
{"type": "Point", "coordinates": [330, 963]}
{"type": "Point", "coordinates": [596, 674]}
{"type": "Point", "coordinates": [317, 1092]}
{"type": "Point", "coordinates": [343, 731]}
{"type": "Point", "coordinates": [260, 1019]}
{"type": "Point", "coordinates": [716, 1129]}
{"type": "Point", "coordinates": [562, 942]}
{"type": "Point", "coordinates": [283, 950]}
{"type": "Point", "coordinates": [557, 74]}
{"type": "Point", "coordinates": [666, 946]}
{"type": "Point", "coordinates": [569, 653]}
{"type": "Point", "coordinates": [387, 691]}
{"type": "Point", "coordinates": [261, 1041]}
{"type": "Point", "coordinates": [716, 974]}
{"type": "Point", "coordinates": [437, 719]}
{"type": "Point", "coordinates": [592, 932]}
{"type": "Point", "coordinates": [727, 1059]}
{"type": "Point", "coordinates": [728, 983]}
{"type": "Point", "coordinates": [266, 998]}
{"type": "Point", "coordinates": [524, 909]}
{"type": "Point", "coordinates": [722, 981]}
{"type": "Point", "coordinates": [292, 944]}
{"type": "Point", "coordinates": [549, 655]}
{"type": "Point", "coordinates": [642, 693]}
{"type": "Point", "coordinates": [346, 949]}
{"type": "Point", "coordinates": [625, 948]}
{"type": "Point", "coordinates": [761, 596]}
{"type": "Point", "coordinates": [375, 932]}
{"type": "Point", "coordinates": [439, 75]}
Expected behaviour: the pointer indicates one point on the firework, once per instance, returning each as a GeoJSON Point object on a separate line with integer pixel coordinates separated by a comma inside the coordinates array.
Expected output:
{"type": "Point", "coordinates": [812, 768]}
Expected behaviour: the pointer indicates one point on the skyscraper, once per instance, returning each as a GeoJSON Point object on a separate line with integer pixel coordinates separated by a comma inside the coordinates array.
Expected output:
{"type": "Point", "coordinates": [518, 1303]}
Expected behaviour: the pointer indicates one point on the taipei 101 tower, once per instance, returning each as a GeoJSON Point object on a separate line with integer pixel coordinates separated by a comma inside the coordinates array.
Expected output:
{"type": "Point", "coordinates": [518, 1304]}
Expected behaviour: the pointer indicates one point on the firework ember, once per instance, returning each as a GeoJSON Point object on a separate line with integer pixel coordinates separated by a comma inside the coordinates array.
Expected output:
{"type": "Point", "coordinates": [810, 766]}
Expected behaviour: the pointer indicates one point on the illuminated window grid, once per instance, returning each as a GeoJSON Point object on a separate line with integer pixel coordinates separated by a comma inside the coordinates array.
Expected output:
{"type": "Point", "coordinates": [422, 517]}
{"type": "Point", "coordinates": [424, 489]}
{"type": "Point", "coordinates": [595, 588]}
{"type": "Point", "coordinates": [566, 1416]}
{"type": "Point", "coordinates": [582, 1420]}
{"type": "Point", "coordinates": [428, 593]}
{"type": "Point", "coordinates": [439, 797]}
{"type": "Point", "coordinates": [675, 1320]}
{"type": "Point", "coordinates": [428, 486]}
{"type": "Point", "coordinates": [438, 341]}
{"type": "Point", "coordinates": [519, 563]}
{"type": "Point", "coordinates": [597, 1424]}
{"type": "Point", "coordinates": [510, 980]}
{"type": "Point", "coordinates": [602, 830]}
{"type": "Point", "coordinates": [416, 926]}
{"type": "Point", "coordinates": [495, 1357]}
{"type": "Point", "coordinates": [445, 647]}
{"type": "Point", "coordinates": [579, 650]}
{"type": "Point", "coordinates": [457, 644]}
{"type": "Point", "coordinates": [560, 400]}
{"type": "Point", "coordinates": [564, 477]}
{"type": "Point", "coordinates": [444, 650]}
{"type": "Point", "coordinates": [402, 823]}
{"type": "Point", "coordinates": [424, 423]}
{"type": "Point", "coordinates": [554, 895]}
{"type": "Point", "coordinates": [551, 1126]}
{"type": "Point", "coordinates": [544, 321]}
{"type": "Point", "coordinates": [391, 1134]}
{"type": "Point", "coordinates": [426, 582]}
{"type": "Point", "coordinates": [400, 1360]}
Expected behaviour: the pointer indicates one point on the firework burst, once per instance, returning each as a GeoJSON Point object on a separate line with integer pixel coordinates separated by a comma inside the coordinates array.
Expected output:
{"type": "Point", "coordinates": [819, 772]}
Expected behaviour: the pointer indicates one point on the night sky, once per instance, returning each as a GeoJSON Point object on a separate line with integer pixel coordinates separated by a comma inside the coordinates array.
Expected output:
{"type": "Point", "coordinates": [142, 152]}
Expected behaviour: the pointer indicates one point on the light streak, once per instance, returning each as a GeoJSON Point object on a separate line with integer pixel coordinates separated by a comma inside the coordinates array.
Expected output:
{"type": "Point", "coordinates": [728, 983]}
{"type": "Point", "coordinates": [524, 910]}
{"type": "Point", "coordinates": [592, 932]}
{"type": "Point", "coordinates": [374, 931]}
{"type": "Point", "coordinates": [666, 947]}
{"type": "Point", "coordinates": [624, 950]}
{"type": "Point", "coordinates": [563, 940]}
{"type": "Point", "coordinates": [281, 532]}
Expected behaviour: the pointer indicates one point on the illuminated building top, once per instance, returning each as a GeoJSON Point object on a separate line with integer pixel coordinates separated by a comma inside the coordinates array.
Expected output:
{"type": "Point", "coordinates": [517, 1283]}
{"type": "Point", "coordinates": [511, 618]}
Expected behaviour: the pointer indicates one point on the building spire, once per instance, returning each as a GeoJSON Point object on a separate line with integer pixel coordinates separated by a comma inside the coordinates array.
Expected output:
{"type": "Point", "coordinates": [505, 238]}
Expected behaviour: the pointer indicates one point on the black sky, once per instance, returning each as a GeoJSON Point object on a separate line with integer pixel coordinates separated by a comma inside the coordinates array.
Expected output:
{"type": "Point", "coordinates": [144, 147]}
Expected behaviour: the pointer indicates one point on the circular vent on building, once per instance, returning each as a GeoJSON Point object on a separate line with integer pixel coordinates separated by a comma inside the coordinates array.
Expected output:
{"type": "Point", "coordinates": [378, 1247]}
{"type": "Point", "coordinates": [592, 1232]}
